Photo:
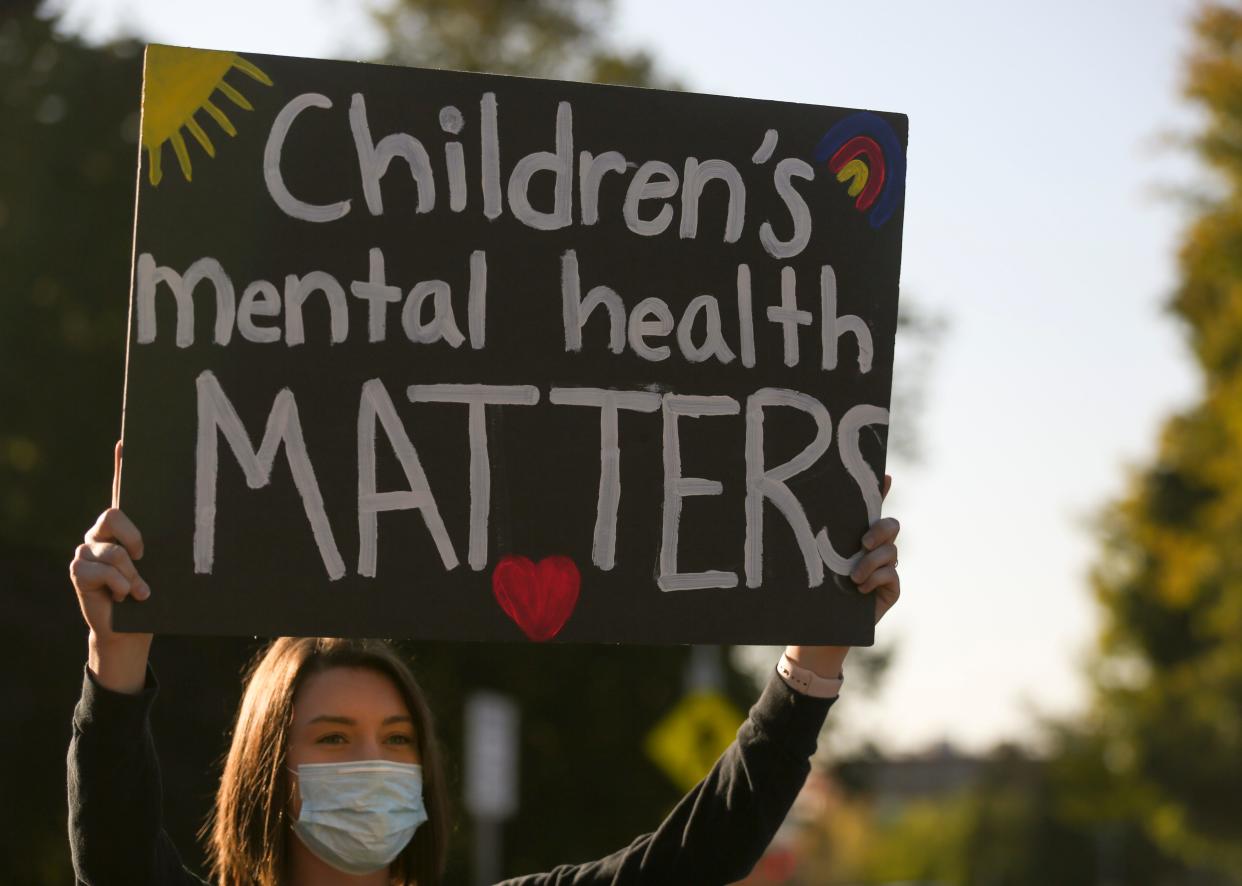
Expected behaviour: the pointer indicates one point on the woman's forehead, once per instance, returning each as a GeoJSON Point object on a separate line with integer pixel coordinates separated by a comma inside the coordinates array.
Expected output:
{"type": "Point", "coordinates": [357, 693]}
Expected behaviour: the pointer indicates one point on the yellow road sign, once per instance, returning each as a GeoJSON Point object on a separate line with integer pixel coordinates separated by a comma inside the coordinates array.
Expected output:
{"type": "Point", "coordinates": [687, 742]}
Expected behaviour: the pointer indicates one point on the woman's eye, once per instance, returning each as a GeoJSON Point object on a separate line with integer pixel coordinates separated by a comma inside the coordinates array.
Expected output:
{"type": "Point", "coordinates": [400, 738]}
{"type": "Point", "coordinates": [331, 738]}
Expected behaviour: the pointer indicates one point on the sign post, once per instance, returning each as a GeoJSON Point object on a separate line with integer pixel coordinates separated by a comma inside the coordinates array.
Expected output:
{"type": "Point", "coordinates": [491, 777]}
{"type": "Point", "coordinates": [690, 738]}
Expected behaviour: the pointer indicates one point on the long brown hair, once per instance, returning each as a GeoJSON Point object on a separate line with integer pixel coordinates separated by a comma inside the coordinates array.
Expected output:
{"type": "Point", "coordinates": [248, 830]}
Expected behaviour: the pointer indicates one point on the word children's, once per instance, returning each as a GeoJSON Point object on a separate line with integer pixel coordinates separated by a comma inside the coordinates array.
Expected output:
{"type": "Point", "coordinates": [442, 355]}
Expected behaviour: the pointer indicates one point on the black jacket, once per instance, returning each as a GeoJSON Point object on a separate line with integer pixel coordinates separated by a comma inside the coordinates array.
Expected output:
{"type": "Point", "coordinates": [715, 835]}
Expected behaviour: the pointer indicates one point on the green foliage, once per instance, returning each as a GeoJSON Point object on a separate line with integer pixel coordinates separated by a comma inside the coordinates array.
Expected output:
{"type": "Point", "coordinates": [921, 843]}
{"type": "Point", "coordinates": [562, 39]}
{"type": "Point", "coordinates": [68, 148]}
{"type": "Point", "coordinates": [1003, 827]}
{"type": "Point", "coordinates": [1168, 718]}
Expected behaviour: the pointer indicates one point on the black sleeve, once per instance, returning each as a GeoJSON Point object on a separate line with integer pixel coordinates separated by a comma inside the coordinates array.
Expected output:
{"type": "Point", "coordinates": [719, 831]}
{"type": "Point", "coordinates": [115, 832]}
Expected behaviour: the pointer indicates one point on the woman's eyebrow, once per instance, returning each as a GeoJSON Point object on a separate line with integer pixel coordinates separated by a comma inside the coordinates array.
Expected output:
{"type": "Point", "coordinates": [350, 721]}
{"type": "Point", "coordinates": [331, 718]}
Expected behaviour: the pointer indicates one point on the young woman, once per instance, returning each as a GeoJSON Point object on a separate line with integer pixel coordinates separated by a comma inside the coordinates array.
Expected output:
{"type": "Point", "coordinates": [333, 776]}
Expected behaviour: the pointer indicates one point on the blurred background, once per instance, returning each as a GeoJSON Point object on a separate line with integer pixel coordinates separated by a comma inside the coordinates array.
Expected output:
{"type": "Point", "coordinates": [1058, 696]}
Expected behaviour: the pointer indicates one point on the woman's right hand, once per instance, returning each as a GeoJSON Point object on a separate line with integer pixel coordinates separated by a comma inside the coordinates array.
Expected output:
{"type": "Point", "coordinates": [103, 574]}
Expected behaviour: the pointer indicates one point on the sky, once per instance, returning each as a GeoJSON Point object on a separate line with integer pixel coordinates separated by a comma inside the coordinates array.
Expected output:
{"type": "Point", "coordinates": [1038, 225]}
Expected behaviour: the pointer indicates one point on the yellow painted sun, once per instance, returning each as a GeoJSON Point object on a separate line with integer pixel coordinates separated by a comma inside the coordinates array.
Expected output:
{"type": "Point", "coordinates": [176, 85]}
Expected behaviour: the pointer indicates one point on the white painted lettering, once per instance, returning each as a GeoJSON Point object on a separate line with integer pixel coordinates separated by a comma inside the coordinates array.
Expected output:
{"type": "Point", "coordinates": [216, 415]}
{"type": "Point", "coordinates": [560, 164]}
{"type": "Point", "coordinates": [604, 544]}
{"type": "Point", "coordinates": [591, 172]}
{"type": "Point", "coordinates": [868, 483]}
{"type": "Point", "coordinates": [795, 205]}
{"type": "Point", "coordinates": [377, 294]}
{"type": "Point", "coordinates": [788, 315]}
{"type": "Point", "coordinates": [272, 177]}
{"type": "Point", "coordinates": [713, 342]}
{"type": "Point", "coordinates": [443, 324]}
{"type": "Point", "coordinates": [696, 175]}
{"type": "Point", "coordinates": [489, 157]}
{"type": "Point", "coordinates": [373, 160]}
{"type": "Point", "coordinates": [833, 327]}
{"type": "Point", "coordinates": [451, 121]}
{"type": "Point", "coordinates": [376, 404]}
{"type": "Point", "coordinates": [677, 487]}
{"type": "Point", "coordinates": [260, 299]}
{"type": "Point", "coordinates": [745, 317]}
{"type": "Point", "coordinates": [476, 397]}
{"type": "Point", "coordinates": [653, 180]}
{"type": "Point", "coordinates": [651, 317]}
{"type": "Point", "coordinates": [763, 483]}
{"type": "Point", "coordinates": [149, 276]}
{"type": "Point", "coordinates": [476, 305]}
{"type": "Point", "coordinates": [298, 289]}
{"type": "Point", "coordinates": [575, 311]}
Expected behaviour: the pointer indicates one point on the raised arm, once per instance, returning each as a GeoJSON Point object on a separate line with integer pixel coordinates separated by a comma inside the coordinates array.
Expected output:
{"type": "Point", "coordinates": [103, 573]}
{"type": "Point", "coordinates": [115, 831]}
{"type": "Point", "coordinates": [875, 573]}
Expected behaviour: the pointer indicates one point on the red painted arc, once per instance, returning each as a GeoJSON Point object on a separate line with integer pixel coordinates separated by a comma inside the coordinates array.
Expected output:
{"type": "Point", "coordinates": [866, 147]}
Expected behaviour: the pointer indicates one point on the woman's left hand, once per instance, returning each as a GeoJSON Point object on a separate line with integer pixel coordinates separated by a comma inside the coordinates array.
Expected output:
{"type": "Point", "coordinates": [875, 573]}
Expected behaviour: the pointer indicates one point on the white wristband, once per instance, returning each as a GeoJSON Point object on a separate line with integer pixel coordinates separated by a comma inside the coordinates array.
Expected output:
{"type": "Point", "coordinates": [806, 681]}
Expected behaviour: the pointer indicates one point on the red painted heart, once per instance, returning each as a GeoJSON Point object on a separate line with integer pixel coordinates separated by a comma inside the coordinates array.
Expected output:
{"type": "Point", "coordinates": [540, 598]}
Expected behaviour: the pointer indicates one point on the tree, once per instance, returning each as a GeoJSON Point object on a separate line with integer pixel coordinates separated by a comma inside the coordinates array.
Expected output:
{"type": "Point", "coordinates": [1146, 788]}
{"type": "Point", "coordinates": [68, 149]}
{"type": "Point", "coordinates": [1169, 579]}
{"type": "Point", "coordinates": [562, 39]}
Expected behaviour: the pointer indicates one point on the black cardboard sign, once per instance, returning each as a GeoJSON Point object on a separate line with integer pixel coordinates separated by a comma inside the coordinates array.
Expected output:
{"type": "Point", "coordinates": [442, 355]}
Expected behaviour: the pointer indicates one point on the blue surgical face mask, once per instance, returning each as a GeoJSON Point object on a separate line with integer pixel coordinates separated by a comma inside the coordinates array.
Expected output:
{"type": "Point", "coordinates": [359, 816]}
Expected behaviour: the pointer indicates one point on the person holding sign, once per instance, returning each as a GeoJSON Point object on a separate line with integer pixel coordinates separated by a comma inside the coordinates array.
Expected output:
{"type": "Point", "coordinates": [333, 775]}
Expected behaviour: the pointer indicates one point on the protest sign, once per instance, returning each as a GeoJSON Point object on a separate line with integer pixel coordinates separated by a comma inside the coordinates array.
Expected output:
{"type": "Point", "coordinates": [444, 355]}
